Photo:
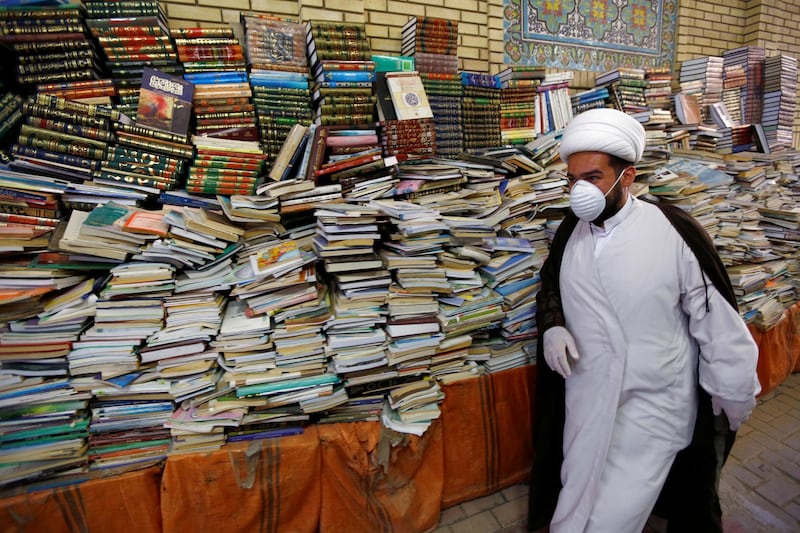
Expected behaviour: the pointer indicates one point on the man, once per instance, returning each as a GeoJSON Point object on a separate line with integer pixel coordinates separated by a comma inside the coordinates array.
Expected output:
{"type": "Point", "coordinates": [640, 343]}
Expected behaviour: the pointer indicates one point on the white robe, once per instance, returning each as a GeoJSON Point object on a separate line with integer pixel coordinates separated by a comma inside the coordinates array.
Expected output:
{"type": "Point", "coordinates": [637, 310]}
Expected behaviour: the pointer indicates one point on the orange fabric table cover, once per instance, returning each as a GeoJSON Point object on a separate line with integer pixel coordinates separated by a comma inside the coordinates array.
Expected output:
{"type": "Point", "coordinates": [368, 485]}
{"type": "Point", "coordinates": [262, 486]}
{"type": "Point", "coordinates": [487, 433]}
{"type": "Point", "coordinates": [126, 502]}
{"type": "Point", "coordinates": [778, 349]}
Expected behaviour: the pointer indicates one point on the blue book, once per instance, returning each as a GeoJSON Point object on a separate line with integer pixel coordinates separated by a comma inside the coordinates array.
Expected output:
{"type": "Point", "coordinates": [261, 389]}
{"type": "Point", "coordinates": [509, 288]}
{"type": "Point", "coordinates": [348, 75]}
{"type": "Point", "coordinates": [273, 82]}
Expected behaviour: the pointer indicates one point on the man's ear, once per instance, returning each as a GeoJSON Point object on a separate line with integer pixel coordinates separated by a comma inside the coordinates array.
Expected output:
{"type": "Point", "coordinates": [628, 176]}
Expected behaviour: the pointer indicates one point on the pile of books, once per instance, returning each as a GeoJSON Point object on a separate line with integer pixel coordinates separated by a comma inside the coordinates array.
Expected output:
{"type": "Point", "coordinates": [276, 55]}
{"type": "Point", "coordinates": [225, 166]}
{"type": "Point", "coordinates": [132, 36]}
{"type": "Point", "coordinates": [553, 103]}
{"type": "Point", "coordinates": [433, 44]}
{"type": "Point", "coordinates": [339, 59]}
{"type": "Point", "coordinates": [480, 110]}
{"type": "Point", "coordinates": [518, 103]}
{"type": "Point", "coordinates": [626, 87]}
{"type": "Point", "coordinates": [780, 100]}
{"type": "Point", "coordinates": [751, 59]}
{"type": "Point", "coordinates": [51, 43]}
{"type": "Point", "coordinates": [703, 77]}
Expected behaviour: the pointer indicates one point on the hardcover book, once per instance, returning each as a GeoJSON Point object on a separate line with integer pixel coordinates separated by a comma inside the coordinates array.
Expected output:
{"type": "Point", "coordinates": [165, 101]}
{"type": "Point", "coordinates": [408, 95]}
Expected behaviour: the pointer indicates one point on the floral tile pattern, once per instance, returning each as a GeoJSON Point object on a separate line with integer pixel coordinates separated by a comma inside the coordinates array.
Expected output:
{"type": "Point", "coordinates": [596, 35]}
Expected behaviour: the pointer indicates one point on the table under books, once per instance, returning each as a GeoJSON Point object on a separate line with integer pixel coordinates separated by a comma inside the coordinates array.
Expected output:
{"type": "Point", "coordinates": [338, 477]}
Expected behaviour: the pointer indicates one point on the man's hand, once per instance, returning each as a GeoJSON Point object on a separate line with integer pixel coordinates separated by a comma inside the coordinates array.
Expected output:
{"type": "Point", "coordinates": [736, 411]}
{"type": "Point", "coordinates": [558, 343]}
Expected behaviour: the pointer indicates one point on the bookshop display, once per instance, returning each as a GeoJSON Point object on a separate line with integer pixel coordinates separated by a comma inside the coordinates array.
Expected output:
{"type": "Point", "coordinates": [214, 237]}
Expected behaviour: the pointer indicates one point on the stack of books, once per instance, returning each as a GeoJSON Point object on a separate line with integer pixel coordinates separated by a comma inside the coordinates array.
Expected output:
{"type": "Point", "coordinates": [62, 138]}
{"type": "Point", "coordinates": [225, 166]}
{"type": "Point", "coordinates": [341, 149]}
{"type": "Point", "coordinates": [703, 77]}
{"type": "Point", "coordinates": [780, 101]}
{"type": "Point", "coordinates": [433, 44]}
{"type": "Point", "coordinates": [734, 83]}
{"type": "Point", "coordinates": [518, 290]}
{"type": "Point", "coordinates": [658, 91]}
{"type": "Point", "coordinates": [518, 103]}
{"type": "Point", "coordinates": [407, 126]}
{"type": "Point", "coordinates": [658, 96]}
{"type": "Point", "coordinates": [214, 61]}
{"type": "Point", "coordinates": [412, 408]}
{"type": "Point", "coordinates": [208, 50]}
{"type": "Point", "coordinates": [480, 110]}
{"type": "Point", "coordinates": [147, 161]}
{"type": "Point", "coordinates": [49, 436]}
{"type": "Point", "coordinates": [223, 106]}
{"type": "Point", "coordinates": [339, 58]}
{"type": "Point", "coordinates": [132, 36]}
{"type": "Point", "coordinates": [589, 99]}
{"type": "Point", "coordinates": [751, 59]}
{"type": "Point", "coordinates": [128, 433]}
{"type": "Point", "coordinates": [37, 348]}
{"type": "Point", "coordinates": [51, 43]}
{"type": "Point", "coordinates": [100, 91]}
{"type": "Point", "coordinates": [553, 103]}
{"type": "Point", "coordinates": [276, 55]}
{"type": "Point", "coordinates": [626, 87]}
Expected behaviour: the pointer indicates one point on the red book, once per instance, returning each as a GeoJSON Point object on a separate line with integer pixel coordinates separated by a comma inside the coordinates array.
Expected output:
{"type": "Point", "coordinates": [348, 163]}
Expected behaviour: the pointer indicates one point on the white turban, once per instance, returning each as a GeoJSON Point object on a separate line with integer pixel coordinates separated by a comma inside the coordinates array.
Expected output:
{"type": "Point", "coordinates": [604, 130]}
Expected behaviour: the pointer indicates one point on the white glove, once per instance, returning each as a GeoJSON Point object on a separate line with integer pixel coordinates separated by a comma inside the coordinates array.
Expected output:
{"type": "Point", "coordinates": [558, 343]}
{"type": "Point", "coordinates": [736, 411]}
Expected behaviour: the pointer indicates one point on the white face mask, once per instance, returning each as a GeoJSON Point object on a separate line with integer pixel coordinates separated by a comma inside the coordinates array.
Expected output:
{"type": "Point", "coordinates": [587, 201]}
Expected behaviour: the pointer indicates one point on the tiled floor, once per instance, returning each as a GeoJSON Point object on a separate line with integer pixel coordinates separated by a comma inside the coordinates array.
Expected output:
{"type": "Point", "coordinates": [760, 487]}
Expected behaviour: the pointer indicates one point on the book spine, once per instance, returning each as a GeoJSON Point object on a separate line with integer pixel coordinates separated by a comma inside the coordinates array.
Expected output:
{"type": "Point", "coordinates": [64, 159]}
{"type": "Point", "coordinates": [26, 196]}
{"type": "Point", "coordinates": [54, 57]}
{"type": "Point", "coordinates": [126, 178]}
{"type": "Point", "coordinates": [34, 131]}
{"type": "Point", "coordinates": [136, 168]}
{"type": "Point", "coordinates": [354, 108]}
{"type": "Point", "coordinates": [43, 37]}
{"type": "Point", "coordinates": [133, 41]}
{"type": "Point", "coordinates": [51, 77]}
{"type": "Point", "coordinates": [40, 47]}
{"type": "Point", "coordinates": [75, 85]}
{"type": "Point", "coordinates": [69, 128]}
{"type": "Point", "coordinates": [27, 31]}
{"type": "Point", "coordinates": [201, 33]}
{"type": "Point", "coordinates": [163, 147]}
{"type": "Point", "coordinates": [54, 144]}
{"type": "Point", "coordinates": [207, 42]}
{"type": "Point", "coordinates": [28, 219]}
{"type": "Point", "coordinates": [210, 111]}
{"type": "Point", "coordinates": [148, 132]}
{"type": "Point", "coordinates": [61, 104]}
{"type": "Point", "coordinates": [123, 153]}
{"type": "Point", "coordinates": [29, 108]}
{"type": "Point", "coordinates": [355, 118]}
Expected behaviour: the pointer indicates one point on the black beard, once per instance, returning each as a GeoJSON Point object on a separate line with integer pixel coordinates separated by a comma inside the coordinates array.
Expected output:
{"type": "Point", "coordinates": [614, 202]}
